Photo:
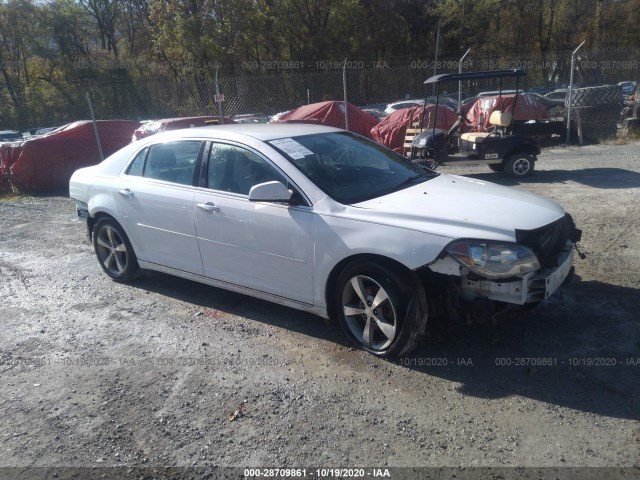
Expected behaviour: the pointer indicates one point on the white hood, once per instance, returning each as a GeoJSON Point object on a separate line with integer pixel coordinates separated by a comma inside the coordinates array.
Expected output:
{"type": "Point", "coordinates": [460, 207]}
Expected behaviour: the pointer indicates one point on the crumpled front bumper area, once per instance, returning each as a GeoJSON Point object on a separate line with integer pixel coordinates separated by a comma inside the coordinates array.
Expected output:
{"type": "Point", "coordinates": [533, 287]}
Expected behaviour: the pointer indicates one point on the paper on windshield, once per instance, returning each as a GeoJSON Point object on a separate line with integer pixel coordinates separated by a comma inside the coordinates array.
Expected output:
{"type": "Point", "coordinates": [291, 148]}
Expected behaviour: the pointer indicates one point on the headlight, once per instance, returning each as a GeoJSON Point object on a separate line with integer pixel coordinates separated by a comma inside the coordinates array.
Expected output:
{"type": "Point", "coordinates": [494, 260]}
{"type": "Point", "coordinates": [420, 143]}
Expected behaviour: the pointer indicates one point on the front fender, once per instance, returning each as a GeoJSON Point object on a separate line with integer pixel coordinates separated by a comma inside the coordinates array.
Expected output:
{"type": "Point", "coordinates": [338, 239]}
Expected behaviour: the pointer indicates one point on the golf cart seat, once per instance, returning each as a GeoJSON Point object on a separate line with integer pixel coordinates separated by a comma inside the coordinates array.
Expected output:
{"type": "Point", "coordinates": [500, 119]}
{"type": "Point", "coordinates": [497, 119]}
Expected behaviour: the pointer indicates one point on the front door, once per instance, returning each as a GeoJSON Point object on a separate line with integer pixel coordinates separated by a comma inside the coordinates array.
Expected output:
{"type": "Point", "coordinates": [264, 246]}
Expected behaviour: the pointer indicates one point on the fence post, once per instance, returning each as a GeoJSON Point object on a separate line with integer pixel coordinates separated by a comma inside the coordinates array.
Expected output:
{"type": "Point", "coordinates": [95, 126]}
{"type": "Point", "coordinates": [344, 86]}
{"type": "Point", "coordinates": [460, 81]}
{"type": "Point", "coordinates": [435, 60]}
{"type": "Point", "coordinates": [220, 110]}
{"type": "Point", "coordinates": [570, 93]}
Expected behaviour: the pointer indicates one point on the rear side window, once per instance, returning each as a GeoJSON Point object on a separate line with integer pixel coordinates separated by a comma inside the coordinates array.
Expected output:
{"type": "Point", "coordinates": [137, 166]}
{"type": "Point", "coordinates": [173, 162]}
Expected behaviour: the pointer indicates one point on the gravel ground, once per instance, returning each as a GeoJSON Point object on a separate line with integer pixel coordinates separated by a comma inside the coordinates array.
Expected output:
{"type": "Point", "coordinates": [167, 372]}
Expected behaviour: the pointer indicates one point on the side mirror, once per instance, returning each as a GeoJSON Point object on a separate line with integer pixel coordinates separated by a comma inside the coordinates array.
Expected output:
{"type": "Point", "coordinates": [270, 192]}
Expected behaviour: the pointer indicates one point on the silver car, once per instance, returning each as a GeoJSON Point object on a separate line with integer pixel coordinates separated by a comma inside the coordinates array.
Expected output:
{"type": "Point", "coordinates": [325, 221]}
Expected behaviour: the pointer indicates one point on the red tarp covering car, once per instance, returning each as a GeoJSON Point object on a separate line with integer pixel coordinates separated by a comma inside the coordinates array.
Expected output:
{"type": "Point", "coordinates": [391, 131]}
{"type": "Point", "coordinates": [331, 114]}
{"type": "Point", "coordinates": [157, 126]}
{"type": "Point", "coordinates": [46, 163]}
{"type": "Point", "coordinates": [528, 107]}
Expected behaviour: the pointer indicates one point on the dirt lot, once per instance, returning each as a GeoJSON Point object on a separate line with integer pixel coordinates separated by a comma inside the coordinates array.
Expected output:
{"type": "Point", "coordinates": [98, 374]}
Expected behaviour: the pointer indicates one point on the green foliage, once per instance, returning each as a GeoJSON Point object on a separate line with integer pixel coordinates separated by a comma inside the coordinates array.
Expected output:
{"type": "Point", "coordinates": [52, 52]}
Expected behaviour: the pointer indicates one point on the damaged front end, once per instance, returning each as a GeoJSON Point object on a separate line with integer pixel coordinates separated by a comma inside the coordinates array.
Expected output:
{"type": "Point", "coordinates": [481, 280]}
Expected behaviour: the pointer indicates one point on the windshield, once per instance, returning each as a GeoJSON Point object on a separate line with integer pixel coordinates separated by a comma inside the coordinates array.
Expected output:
{"type": "Point", "coordinates": [349, 168]}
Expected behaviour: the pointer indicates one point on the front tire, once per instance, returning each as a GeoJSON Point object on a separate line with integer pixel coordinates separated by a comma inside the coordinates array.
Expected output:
{"type": "Point", "coordinates": [114, 251]}
{"type": "Point", "coordinates": [380, 309]}
{"type": "Point", "coordinates": [519, 165]}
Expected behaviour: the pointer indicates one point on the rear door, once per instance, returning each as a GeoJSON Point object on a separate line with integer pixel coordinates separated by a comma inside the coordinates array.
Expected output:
{"type": "Point", "coordinates": [156, 203]}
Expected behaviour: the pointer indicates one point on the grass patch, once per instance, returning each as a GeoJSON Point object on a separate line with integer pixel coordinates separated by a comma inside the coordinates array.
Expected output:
{"type": "Point", "coordinates": [11, 197]}
{"type": "Point", "coordinates": [622, 139]}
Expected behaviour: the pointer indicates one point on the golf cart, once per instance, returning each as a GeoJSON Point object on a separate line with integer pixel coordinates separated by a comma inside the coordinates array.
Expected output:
{"type": "Point", "coordinates": [499, 146]}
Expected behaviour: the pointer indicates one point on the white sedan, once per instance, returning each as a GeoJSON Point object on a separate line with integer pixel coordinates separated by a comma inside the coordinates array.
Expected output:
{"type": "Point", "coordinates": [325, 221]}
{"type": "Point", "coordinates": [392, 107]}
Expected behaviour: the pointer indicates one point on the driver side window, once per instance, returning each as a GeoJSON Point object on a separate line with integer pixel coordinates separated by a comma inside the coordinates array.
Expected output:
{"type": "Point", "coordinates": [235, 169]}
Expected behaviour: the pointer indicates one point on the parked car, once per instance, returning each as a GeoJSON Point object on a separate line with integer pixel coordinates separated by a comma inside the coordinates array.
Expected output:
{"type": "Point", "coordinates": [278, 116]}
{"type": "Point", "coordinates": [325, 221]}
{"type": "Point", "coordinates": [44, 131]}
{"type": "Point", "coordinates": [44, 163]}
{"type": "Point", "coordinates": [379, 114]}
{"type": "Point", "coordinates": [34, 132]}
{"type": "Point", "coordinates": [452, 103]}
{"type": "Point", "coordinates": [555, 107]}
{"type": "Point", "coordinates": [392, 107]}
{"type": "Point", "coordinates": [374, 106]}
{"type": "Point", "coordinates": [251, 118]}
{"type": "Point", "coordinates": [495, 93]}
{"type": "Point", "coordinates": [560, 94]}
{"type": "Point", "coordinates": [10, 136]}
{"type": "Point", "coordinates": [467, 103]}
{"type": "Point", "coordinates": [332, 114]}
{"type": "Point", "coordinates": [152, 127]}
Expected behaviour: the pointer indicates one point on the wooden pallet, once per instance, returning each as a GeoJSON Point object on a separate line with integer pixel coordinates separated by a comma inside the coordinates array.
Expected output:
{"type": "Point", "coordinates": [413, 130]}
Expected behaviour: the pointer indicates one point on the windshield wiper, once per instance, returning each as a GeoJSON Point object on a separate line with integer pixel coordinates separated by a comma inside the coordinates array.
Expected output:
{"type": "Point", "coordinates": [414, 180]}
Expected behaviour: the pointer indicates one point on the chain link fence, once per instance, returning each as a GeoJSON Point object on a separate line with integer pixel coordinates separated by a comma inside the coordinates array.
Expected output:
{"type": "Point", "coordinates": [603, 96]}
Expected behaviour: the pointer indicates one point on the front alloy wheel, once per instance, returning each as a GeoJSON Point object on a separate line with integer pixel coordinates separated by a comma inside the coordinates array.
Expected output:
{"type": "Point", "coordinates": [114, 251]}
{"type": "Point", "coordinates": [380, 307]}
{"type": "Point", "coordinates": [369, 312]}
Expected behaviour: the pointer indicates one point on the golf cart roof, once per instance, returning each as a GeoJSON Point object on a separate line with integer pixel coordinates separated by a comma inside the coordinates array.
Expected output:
{"type": "Point", "coordinates": [446, 77]}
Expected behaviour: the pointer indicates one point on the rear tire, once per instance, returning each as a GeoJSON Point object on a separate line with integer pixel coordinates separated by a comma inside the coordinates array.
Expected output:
{"type": "Point", "coordinates": [380, 309]}
{"type": "Point", "coordinates": [114, 251]}
{"type": "Point", "coordinates": [519, 165]}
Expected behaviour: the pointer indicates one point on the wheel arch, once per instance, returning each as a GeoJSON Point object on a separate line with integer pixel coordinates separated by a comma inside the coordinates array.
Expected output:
{"type": "Point", "coordinates": [329, 291]}
{"type": "Point", "coordinates": [97, 215]}
{"type": "Point", "coordinates": [93, 219]}
{"type": "Point", "coordinates": [131, 266]}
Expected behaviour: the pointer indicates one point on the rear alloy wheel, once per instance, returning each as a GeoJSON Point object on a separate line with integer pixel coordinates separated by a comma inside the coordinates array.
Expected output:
{"type": "Point", "coordinates": [114, 250]}
{"type": "Point", "coordinates": [379, 310]}
{"type": "Point", "coordinates": [519, 165]}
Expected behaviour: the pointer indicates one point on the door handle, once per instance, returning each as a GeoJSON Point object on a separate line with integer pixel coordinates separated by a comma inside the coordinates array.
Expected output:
{"type": "Point", "coordinates": [208, 207]}
{"type": "Point", "coordinates": [126, 193]}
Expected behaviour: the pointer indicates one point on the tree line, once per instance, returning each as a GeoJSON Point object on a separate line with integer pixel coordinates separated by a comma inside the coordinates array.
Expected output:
{"type": "Point", "coordinates": [51, 48]}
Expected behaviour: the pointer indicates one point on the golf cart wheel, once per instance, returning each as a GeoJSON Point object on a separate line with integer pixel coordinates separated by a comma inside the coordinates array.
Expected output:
{"type": "Point", "coordinates": [380, 308]}
{"type": "Point", "coordinates": [519, 165]}
{"type": "Point", "coordinates": [496, 167]}
{"type": "Point", "coordinates": [432, 164]}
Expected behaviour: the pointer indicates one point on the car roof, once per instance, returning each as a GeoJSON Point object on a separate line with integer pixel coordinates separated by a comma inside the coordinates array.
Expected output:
{"type": "Point", "coordinates": [260, 131]}
{"type": "Point", "coordinates": [406, 100]}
